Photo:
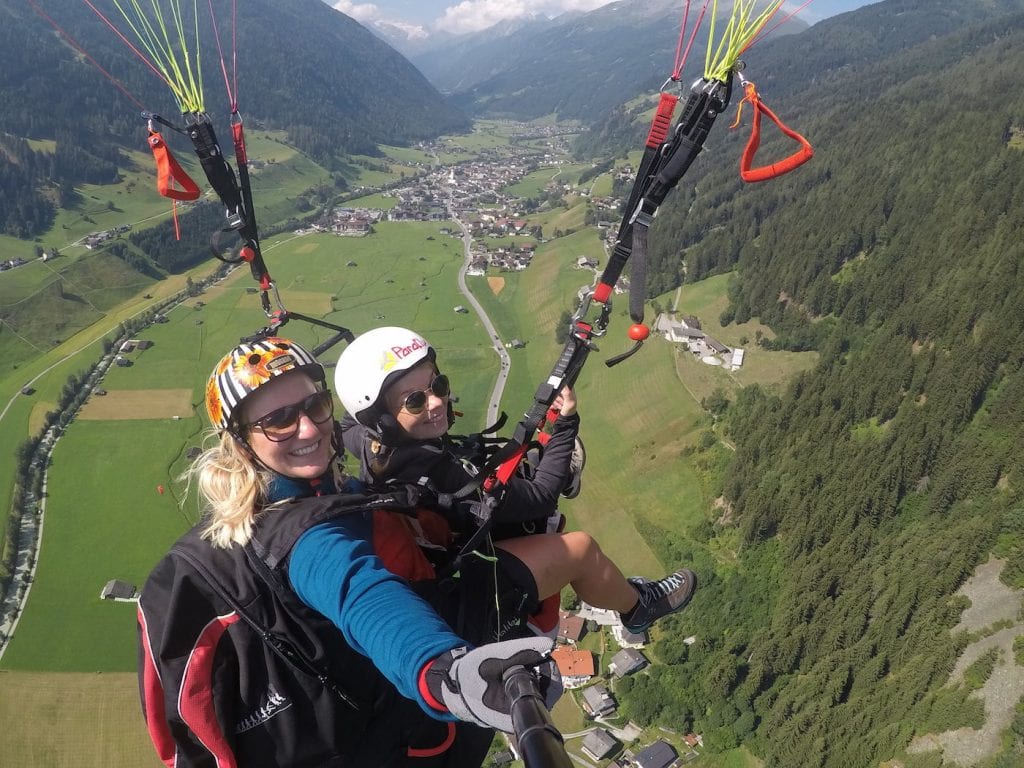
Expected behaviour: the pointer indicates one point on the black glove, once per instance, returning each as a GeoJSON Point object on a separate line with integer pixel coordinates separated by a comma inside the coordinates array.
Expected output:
{"type": "Point", "coordinates": [471, 683]}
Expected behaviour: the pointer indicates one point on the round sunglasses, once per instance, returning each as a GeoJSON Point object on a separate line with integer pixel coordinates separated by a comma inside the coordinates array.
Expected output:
{"type": "Point", "coordinates": [416, 402]}
{"type": "Point", "coordinates": [283, 423]}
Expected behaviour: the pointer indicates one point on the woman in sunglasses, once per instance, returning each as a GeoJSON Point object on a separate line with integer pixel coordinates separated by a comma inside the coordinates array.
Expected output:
{"type": "Point", "coordinates": [399, 415]}
{"type": "Point", "coordinates": [277, 503]}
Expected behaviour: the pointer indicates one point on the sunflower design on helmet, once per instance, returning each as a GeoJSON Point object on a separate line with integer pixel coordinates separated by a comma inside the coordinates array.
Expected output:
{"type": "Point", "coordinates": [253, 370]}
{"type": "Point", "coordinates": [249, 366]}
{"type": "Point", "coordinates": [213, 403]}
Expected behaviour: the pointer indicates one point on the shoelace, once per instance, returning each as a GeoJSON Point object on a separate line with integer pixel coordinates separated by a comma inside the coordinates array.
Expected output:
{"type": "Point", "coordinates": [655, 590]}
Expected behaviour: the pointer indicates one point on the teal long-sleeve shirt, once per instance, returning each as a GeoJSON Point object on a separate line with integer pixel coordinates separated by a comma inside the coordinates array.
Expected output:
{"type": "Point", "coordinates": [333, 569]}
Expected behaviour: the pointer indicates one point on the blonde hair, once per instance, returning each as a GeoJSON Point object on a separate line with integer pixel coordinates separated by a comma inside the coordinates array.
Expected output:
{"type": "Point", "coordinates": [232, 488]}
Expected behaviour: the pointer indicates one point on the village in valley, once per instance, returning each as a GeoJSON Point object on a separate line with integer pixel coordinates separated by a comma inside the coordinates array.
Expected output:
{"type": "Point", "coordinates": [475, 194]}
{"type": "Point", "coordinates": [498, 227]}
{"type": "Point", "coordinates": [592, 690]}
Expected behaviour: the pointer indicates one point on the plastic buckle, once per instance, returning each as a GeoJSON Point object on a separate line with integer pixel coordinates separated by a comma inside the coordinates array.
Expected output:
{"type": "Point", "coordinates": [641, 216]}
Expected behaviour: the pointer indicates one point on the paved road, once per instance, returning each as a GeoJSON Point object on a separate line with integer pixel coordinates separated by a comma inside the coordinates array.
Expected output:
{"type": "Point", "coordinates": [494, 404]}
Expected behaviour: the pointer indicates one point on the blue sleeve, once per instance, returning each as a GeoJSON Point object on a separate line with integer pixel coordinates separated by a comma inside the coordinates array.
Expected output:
{"type": "Point", "coordinates": [334, 570]}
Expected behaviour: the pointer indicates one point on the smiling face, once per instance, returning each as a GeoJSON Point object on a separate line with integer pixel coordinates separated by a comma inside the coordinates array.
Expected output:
{"type": "Point", "coordinates": [432, 422]}
{"type": "Point", "coordinates": [307, 453]}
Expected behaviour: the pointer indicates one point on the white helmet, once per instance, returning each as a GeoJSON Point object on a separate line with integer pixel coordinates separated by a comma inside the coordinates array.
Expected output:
{"type": "Point", "coordinates": [370, 363]}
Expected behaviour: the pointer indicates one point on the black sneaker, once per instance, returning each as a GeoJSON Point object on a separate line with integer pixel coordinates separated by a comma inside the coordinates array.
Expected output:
{"type": "Point", "coordinates": [659, 598]}
{"type": "Point", "coordinates": [576, 464]}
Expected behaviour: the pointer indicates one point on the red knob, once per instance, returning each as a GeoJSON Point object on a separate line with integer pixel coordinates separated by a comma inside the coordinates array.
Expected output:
{"type": "Point", "coordinates": [247, 253]}
{"type": "Point", "coordinates": [639, 332]}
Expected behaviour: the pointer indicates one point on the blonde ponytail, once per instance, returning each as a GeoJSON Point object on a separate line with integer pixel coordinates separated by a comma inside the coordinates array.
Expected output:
{"type": "Point", "coordinates": [233, 490]}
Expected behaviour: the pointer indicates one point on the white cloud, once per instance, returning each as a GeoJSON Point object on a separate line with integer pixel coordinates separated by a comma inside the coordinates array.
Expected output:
{"type": "Point", "coordinates": [368, 13]}
{"type": "Point", "coordinates": [358, 11]}
{"type": "Point", "coordinates": [474, 15]}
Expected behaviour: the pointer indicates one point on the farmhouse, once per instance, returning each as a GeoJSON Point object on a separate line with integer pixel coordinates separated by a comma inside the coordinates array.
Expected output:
{"type": "Point", "coordinates": [599, 744]}
{"type": "Point", "coordinates": [626, 662]}
{"type": "Point", "coordinates": [717, 346]}
{"type": "Point", "coordinates": [576, 667]}
{"type": "Point", "coordinates": [603, 616]}
{"type": "Point", "coordinates": [660, 754]}
{"type": "Point", "coordinates": [119, 590]}
{"type": "Point", "coordinates": [737, 359]}
{"type": "Point", "coordinates": [627, 639]}
{"type": "Point", "coordinates": [597, 701]}
{"type": "Point", "coordinates": [570, 627]}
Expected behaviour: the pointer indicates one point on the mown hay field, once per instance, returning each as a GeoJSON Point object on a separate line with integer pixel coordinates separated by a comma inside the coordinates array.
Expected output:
{"type": "Point", "coordinates": [138, 404]}
{"type": "Point", "coordinates": [72, 719]}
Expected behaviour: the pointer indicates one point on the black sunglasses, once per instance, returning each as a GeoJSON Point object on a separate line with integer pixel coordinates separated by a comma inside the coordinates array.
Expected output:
{"type": "Point", "coordinates": [416, 402]}
{"type": "Point", "coordinates": [283, 424]}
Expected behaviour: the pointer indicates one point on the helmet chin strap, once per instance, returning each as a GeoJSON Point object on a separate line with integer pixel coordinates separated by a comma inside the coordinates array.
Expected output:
{"type": "Point", "coordinates": [247, 449]}
{"type": "Point", "coordinates": [391, 432]}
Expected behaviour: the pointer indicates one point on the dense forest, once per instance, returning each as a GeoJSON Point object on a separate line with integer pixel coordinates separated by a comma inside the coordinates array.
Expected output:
{"type": "Point", "coordinates": [863, 495]}
{"type": "Point", "coordinates": [356, 92]}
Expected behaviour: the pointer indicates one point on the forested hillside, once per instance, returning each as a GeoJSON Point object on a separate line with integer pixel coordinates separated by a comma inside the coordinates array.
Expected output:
{"type": "Point", "coordinates": [302, 67]}
{"type": "Point", "coordinates": [860, 498]}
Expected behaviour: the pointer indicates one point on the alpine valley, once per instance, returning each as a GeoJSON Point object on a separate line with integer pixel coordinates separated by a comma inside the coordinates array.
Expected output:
{"type": "Point", "coordinates": [852, 498]}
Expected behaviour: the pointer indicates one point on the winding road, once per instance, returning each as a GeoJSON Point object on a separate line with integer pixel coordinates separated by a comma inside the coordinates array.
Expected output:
{"type": "Point", "coordinates": [494, 404]}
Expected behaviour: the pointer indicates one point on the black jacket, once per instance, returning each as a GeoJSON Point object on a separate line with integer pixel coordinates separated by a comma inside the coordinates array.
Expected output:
{"type": "Point", "coordinates": [234, 670]}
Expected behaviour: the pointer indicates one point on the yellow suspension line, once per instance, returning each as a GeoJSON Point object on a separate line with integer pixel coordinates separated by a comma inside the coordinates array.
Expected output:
{"type": "Point", "coordinates": [187, 90]}
{"type": "Point", "coordinates": [721, 57]}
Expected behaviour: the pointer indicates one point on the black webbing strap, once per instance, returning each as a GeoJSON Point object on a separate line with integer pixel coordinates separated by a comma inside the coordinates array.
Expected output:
{"type": "Point", "coordinates": [215, 166]}
{"type": "Point", "coordinates": [236, 195]}
{"type": "Point", "coordinates": [500, 467]}
{"type": "Point", "coordinates": [660, 171]}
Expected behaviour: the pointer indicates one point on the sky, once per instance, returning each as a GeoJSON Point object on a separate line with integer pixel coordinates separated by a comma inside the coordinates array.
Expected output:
{"type": "Point", "coordinates": [419, 17]}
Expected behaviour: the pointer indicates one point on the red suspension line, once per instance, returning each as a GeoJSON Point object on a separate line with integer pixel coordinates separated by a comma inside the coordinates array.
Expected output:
{"type": "Point", "coordinates": [230, 84]}
{"type": "Point", "coordinates": [680, 61]}
{"type": "Point", "coordinates": [130, 45]}
{"type": "Point", "coordinates": [74, 44]}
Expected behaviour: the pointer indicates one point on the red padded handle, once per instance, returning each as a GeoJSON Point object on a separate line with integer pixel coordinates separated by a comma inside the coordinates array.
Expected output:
{"type": "Point", "coordinates": [168, 171]}
{"type": "Point", "coordinates": [662, 120]}
{"type": "Point", "coordinates": [765, 172]}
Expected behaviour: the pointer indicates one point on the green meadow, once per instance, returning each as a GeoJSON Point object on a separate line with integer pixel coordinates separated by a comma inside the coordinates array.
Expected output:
{"type": "Point", "coordinates": [103, 517]}
{"type": "Point", "coordinates": [533, 183]}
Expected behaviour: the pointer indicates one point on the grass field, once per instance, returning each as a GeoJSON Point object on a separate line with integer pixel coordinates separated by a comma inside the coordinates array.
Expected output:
{"type": "Point", "coordinates": [706, 300]}
{"type": "Point", "coordinates": [104, 520]}
{"type": "Point", "coordinates": [383, 202]}
{"type": "Point", "coordinates": [533, 183]}
{"type": "Point", "coordinates": [138, 404]}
